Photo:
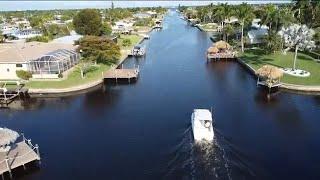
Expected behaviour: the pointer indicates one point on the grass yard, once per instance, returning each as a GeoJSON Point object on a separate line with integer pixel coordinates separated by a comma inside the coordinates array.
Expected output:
{"type": "Point", "coordinates": [133, 38]}
{"type": "Point", "coordinates": [209, 27]}
{"type": "Point", "coordinates": [73, 79]}
{"type": "Point", "coordinates": [256, 58]}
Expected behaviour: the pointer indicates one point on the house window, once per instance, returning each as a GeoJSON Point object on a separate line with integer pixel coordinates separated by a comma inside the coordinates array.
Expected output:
{"type": "Point", "coordinates": [19, 65]}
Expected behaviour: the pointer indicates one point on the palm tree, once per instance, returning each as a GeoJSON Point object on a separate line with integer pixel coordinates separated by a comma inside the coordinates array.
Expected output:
{"type": "Point", "coordinates": [268, 16]}
{"type": "Point", "coordinates": [272, 42]}
{"type": "Point", "coordinates": [244, 13]}
{"type": "Point", "coordinates": [223, 12]}
{"type": "Point", "coordinates": [202, 14]}
{"type": "Point", "coordinates": [229, 30]}
{"type": "Point", "coordinates": [306, 11]}
{"type": "Point", "coordinates": [283, 19]}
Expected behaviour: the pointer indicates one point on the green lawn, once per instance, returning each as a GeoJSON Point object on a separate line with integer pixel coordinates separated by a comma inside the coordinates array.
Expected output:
{"type": "Point", "coordinates": [209, 27]}
{"type": "Point", "coordinates": [256, 58]}
{"type": "Point", "coordinates": [73, 79]}
{"type": "Point", "coordinates": [8, 85]}
{"type": "Point", "coordinates": [133, 38]}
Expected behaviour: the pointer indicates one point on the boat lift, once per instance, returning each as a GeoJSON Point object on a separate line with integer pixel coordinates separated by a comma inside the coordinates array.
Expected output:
{"type": "Point", "coordinates": [7, 95]}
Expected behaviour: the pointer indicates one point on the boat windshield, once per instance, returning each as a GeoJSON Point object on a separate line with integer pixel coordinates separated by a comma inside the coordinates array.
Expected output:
{"type": "Point", "coordinates": [205, 123]}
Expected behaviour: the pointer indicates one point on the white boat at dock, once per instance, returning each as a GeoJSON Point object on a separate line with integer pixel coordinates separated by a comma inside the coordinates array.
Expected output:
{"type": "Point", "coordinates": [138, 51]}
{"type": "Point", "coordinates": [146, 36]}
{"type": "Point", "coordinates": [201, 120]}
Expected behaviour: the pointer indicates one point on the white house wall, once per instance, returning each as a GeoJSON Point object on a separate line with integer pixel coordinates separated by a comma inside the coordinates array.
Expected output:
{"type": "Point", "coordinates": [8, 70]}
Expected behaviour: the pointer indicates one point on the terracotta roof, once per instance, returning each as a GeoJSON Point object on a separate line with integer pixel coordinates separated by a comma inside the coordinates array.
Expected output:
{"type": "Point", "coordinates": [22, 52]}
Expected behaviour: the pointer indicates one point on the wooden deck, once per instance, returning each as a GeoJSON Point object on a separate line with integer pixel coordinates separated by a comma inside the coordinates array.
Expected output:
{"type": "Point", "coordinates": [220, 56]}
{"type": "Point", "coordinates": [20, 154]}
{"type": "Point", "coordinates": [122, 74]}
{"type": "Point", "coordinates": [263, 83]}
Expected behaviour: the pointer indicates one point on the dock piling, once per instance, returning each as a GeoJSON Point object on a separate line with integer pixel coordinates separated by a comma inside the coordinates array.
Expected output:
{"type": "Point", "coordinates": [9, 169]}
{"type": "Point", "coordinates": [127, 74]}
{"type": "Point", "coordinates": [38, 152]}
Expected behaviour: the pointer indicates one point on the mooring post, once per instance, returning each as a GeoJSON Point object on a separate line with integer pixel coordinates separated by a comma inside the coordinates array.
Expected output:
{"type": "Point", "coordinates": [29, 142]}
{"type": "Point", "coordinates": [5, 96]}
{"type": "Point", "coordinates": [9, 169]}
{"type": "Point", "coordinates": [38, 152]}
{"type": "Point", "coordinates": [116, 77]}
{"type": "Point", "coordinates": [24, 139]}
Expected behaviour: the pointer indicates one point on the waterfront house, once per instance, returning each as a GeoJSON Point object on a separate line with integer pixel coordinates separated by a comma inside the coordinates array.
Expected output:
{"type": "Point", "coordinates": [257, 32]}
{"type": "Point", "coordinates": [142, 15]}
{"type": "Point", "coordinates": [68, 39]}
{"type": "Point", "coordinates": [26, 33]}
{"type": "Point", "coordinates": [153, 14]}
{"type": "Point", "coordinates": [43, 60]}
{"type": "Point", "coordinates": [231, 20]}
{"type": "Point", "coordinates": [122, 27]}
{"type": "Point", "coordinates": [57, 17]}
{"type": "Point", "coordinates": [22, 24]}
{"type": "Point", "coordinates": [19, 29]}
{"type": "Point", "coordinates": [8, 29]}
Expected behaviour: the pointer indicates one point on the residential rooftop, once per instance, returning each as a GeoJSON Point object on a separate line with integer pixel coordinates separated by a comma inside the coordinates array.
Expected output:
{"type": "Point", "coordinates": [19, 52]}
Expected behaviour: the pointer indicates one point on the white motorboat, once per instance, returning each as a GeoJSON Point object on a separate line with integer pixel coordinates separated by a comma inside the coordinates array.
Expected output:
{"type": "Point", "coordinates": [202, 128]}
{"type": "Point", "coordinates": [138, 51]}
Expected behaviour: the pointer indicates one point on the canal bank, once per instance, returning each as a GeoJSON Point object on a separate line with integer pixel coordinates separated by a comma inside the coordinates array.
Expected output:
{"type": "Point", "coordinates": [118, 126]}
{"type": "Point", "coordinates": [81, 88]}
{"type": "Point", "coordinates": [294, 88]}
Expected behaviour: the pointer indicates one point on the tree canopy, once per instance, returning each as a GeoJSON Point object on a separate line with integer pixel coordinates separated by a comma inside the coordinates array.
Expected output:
{"type": "Point", "coordinates": [1, 37]}
{"type": "Point", "coordinates": [105, 29]}
{"type": "Point", "coordinates": [99, 49]}
{"type": "Point", "coordinates": [87, 22]}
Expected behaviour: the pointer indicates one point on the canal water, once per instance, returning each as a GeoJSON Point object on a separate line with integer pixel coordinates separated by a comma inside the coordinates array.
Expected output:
{"type": "Point", "coordinates": [143, 130]}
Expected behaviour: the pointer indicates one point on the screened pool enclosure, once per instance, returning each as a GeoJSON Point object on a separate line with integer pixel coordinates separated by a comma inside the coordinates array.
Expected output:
{"type": "Point", "coordinates": [55, 62]}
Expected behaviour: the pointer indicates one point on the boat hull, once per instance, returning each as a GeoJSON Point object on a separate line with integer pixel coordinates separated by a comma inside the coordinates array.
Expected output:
{"type": "Point", "coordinates": [200, 134]}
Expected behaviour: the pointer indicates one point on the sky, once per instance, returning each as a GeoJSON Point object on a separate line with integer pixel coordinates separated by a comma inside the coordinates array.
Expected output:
{"type": "Point", "coordinates": [46, 5]}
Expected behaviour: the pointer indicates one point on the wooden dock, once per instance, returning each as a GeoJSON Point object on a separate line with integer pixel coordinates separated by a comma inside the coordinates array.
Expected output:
{"type": "Point", "coordinates": [122, 74]}
{"type": "Point", "coordinates": [221, 56]}
{"type": "Point", "coordinates": [20, 154]}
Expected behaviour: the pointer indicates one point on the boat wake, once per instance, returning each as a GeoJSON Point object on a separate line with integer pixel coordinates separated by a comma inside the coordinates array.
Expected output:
{"type": "Point", "coordinates": [205, 160]}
